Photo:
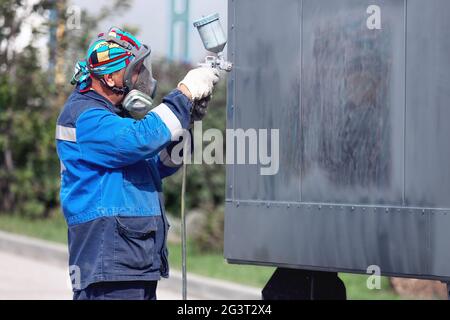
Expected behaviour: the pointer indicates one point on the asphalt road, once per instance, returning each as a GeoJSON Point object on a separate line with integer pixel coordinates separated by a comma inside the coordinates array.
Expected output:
{"type": "Point", "coordinates": [23, 278]}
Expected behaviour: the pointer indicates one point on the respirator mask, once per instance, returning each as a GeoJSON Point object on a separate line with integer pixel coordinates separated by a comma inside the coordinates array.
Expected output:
{"type": "Point", "coordinates": [141, 84]}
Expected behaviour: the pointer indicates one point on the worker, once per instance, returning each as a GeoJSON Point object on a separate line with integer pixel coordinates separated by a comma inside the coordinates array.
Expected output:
{"type": "Point", "coordinates": [114, 147]}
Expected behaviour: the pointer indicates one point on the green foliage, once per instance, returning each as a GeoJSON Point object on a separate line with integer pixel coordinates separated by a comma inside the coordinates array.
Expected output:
{"type": "Point", "coordinates": [27, 157]}
{"type": "Point", "coordinates": [28, 177]}
{"type": "Point", "coordinates": [30, 101]}
{"type": "Point", "coordinates": [211, 239]}
{"type": "Point", "coordinates": [51, 229]}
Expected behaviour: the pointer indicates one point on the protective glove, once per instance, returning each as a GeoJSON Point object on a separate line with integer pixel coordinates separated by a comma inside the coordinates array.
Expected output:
{"type": "Point", "coordinates": [200, 82]}
{"type": "Point", "coordinates": [200, 109]}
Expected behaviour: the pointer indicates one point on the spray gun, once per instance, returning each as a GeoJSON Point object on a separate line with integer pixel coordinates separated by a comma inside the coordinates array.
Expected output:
{"type": "Point", "coordinates": [214, 40]}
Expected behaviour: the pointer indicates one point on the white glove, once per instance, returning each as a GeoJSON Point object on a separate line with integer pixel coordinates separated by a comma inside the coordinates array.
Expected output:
{"type": "Point", "coordinates": [200, 82]}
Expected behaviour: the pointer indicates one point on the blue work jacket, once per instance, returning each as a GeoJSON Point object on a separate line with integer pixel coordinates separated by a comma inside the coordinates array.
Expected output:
{"type": "Point", "coordinates": [112, 168]}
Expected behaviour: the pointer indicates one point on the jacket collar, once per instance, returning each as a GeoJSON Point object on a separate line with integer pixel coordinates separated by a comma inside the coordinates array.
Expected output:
{"type": "Point", "coordinates": [92, 94]}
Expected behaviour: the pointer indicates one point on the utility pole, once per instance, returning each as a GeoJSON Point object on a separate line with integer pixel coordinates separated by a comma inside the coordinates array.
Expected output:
{"type": "Point", "coordinates": [179, 30]}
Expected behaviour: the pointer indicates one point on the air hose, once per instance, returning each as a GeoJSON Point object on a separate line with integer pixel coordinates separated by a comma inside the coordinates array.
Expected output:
{"type": "Point", "coordinates": [214, 40]}
{"type": "Point", "coordinates": [183, 226]}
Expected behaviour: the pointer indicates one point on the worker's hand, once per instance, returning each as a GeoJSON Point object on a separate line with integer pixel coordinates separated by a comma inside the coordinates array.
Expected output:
{"type": "Point", "coordinates": [200, 109]}
{"type": "Point", "coordinates": [199, 83]}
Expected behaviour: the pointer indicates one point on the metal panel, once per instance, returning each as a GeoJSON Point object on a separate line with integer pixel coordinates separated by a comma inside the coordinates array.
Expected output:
{"type": "Point", "coordinates": [353, 94]}
{"type": "Point", "coordinates": [267, 92]}
{"type": "Point", "coordinates": [364, 172]}
{"type": "Point", "coordinates": [428, 113]}
{"type": "Point", "coordinates": [439, 243]}
{"type": "Point", "coordinates": [329, 237]}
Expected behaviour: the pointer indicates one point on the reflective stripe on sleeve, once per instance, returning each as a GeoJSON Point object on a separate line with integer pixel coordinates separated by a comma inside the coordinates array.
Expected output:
{"type": "Point", "coordinates": [66, 134]}
{"type": "Point", "coordinates": [169, 119]}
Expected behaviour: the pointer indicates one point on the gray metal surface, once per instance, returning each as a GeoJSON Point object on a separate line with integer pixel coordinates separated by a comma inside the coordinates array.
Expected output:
{"type": "Point", "coordinates": [353, 103]}
{"type": "Point", "coordinates": [267, 91]}
{"type": "Point", "coordinates": [428, 97]}
{"type": "Point", "coordinates": [364, 135]}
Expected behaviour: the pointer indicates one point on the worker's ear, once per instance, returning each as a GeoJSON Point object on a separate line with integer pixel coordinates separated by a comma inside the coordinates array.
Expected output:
{"type": "Point", "coordinates": [109, 80]}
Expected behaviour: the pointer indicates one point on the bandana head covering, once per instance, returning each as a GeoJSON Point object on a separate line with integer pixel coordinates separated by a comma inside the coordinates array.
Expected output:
{"type": "Point", "coordinates": [104, 57]}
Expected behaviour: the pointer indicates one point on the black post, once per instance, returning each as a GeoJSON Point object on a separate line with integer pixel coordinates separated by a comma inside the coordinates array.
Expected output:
{"type": "Point", "coordinates": [296, 284]}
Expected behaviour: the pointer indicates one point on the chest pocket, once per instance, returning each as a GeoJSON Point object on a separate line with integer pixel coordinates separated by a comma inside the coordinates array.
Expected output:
{"type": "Point", "coordinates": [138, 174]}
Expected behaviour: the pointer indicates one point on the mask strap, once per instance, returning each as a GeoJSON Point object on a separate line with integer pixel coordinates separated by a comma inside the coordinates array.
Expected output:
{"type": "Point", "coordinates": [123, 91]}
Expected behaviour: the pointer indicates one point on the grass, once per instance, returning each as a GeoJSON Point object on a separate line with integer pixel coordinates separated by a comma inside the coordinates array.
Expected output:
{"type": "Point", "coordinates": [54, 229]}
{"type": "Point", "coordinates": [214, 265]}
{"type": "Point", "coordinates": [357, 288]}
{"type": "Point", "coordinates": [211, 265]}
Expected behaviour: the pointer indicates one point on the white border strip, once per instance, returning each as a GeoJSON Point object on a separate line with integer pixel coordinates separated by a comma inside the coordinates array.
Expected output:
{"type": "Point", "coordinates": [66, 133]}
{"type": "Point", "coordinates": [169, 119]}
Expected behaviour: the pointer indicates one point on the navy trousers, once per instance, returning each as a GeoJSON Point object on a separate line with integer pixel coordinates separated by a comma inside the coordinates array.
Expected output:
{"type": "Point", "coordinates": [120, 290]}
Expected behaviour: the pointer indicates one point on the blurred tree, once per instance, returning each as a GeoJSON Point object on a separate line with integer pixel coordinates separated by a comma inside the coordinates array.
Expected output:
{"type": "Point", "coordinates": [30, 101]}
{"type": "Point", "coordinates": [27, 162]}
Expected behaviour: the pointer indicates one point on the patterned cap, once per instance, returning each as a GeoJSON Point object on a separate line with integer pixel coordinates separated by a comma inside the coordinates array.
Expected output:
{"type": "Point", "coordinates": [105, 56]}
